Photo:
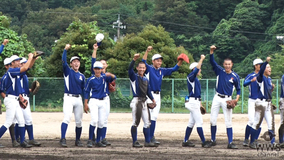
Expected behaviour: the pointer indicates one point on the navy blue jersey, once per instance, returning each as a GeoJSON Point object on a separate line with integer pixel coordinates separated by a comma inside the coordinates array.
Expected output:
{"type": "Point", "coordinates": [253, 86]}
{"type": "Point", "coordinates": [193, 84]}
{"type": "Point", "coordinates": [265, 84]}
{"type": "Point", "coordinates": [156, 76]}
{"type": "Point", "coordinates": [225, 82]}
{"type": "Point", "coordinates": [95, 87]}
{"type": "Point", "coordinates": [282, 87]}
{"type": "Point", "coordinates": [2, 83]}
{"type": "Point", "coordinates": [1, 48]}
{"type": "Point", "coordinates": [25, 84]}
{"type": "Point", "coordinates": [13, 82]}
{"type": "Point", "coordinates": [140, 85]}
{"type": "Point", "coordinates": [103, 74]}
{"type": "Point", "coordinates": [74, 81]}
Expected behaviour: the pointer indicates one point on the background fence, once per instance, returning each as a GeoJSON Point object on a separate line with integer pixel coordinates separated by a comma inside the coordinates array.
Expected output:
{"type": "Point", "coordinates": [50, 95]}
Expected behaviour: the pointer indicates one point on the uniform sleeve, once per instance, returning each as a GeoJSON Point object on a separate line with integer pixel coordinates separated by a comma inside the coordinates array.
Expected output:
{"type": "Point", "coordinates": [261, 71]}
{"type": "Point", "coordinates": [1, 48]}
{"type": "Point", "coordinates": [169, 71]}
{"type": "Point", "coordinates": [147, 66]}
{"type": "Point", "coordinates": [87, 89]}
{"type": "Point", "coordinates": [191, 76]}
{"type": "Point", "coordinates": [131, 72]}
{"type": "Point", "coordinates": [149, 93]}
{"type": "Point", "coordinates": [215, 66]}
{"type": "Point", "coordinates": [2, 84]}
{"type": "Point", "coordinates": [92, 66]}
{"type": "Point", "coordinates": [83, 83]}
{"type": "Point", "coordinates": [237, 85]}
{"type": "Point", "coordinates": [110, 79]}
{"type": "Point", "coordinates": [64, 63]}
{"type": "Point", "coordinates": [248, 80]}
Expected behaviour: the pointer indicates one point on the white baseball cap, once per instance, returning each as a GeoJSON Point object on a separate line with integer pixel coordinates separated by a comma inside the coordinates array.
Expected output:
{"type": "Point", "coordinates": [24, 60]}
{"type": "Point", "coordinates": [156, 56]}
{"type": "Point", "coordinates": [73, 58]}
{"type": "Point", "coordinates": [257, 61]}
{"type": "Point", "coordinates": [193, 65]}
{"type": "Point", "coordinates": [7, 61]}
{"type": "Point", "coordinates": [99, 37]}
{"type": "Point", "coordinates": [15, 58]}
{"type": "Point", "coordinates": [98, 64]}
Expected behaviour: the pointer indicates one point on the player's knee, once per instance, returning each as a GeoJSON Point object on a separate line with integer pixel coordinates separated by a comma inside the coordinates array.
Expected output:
{"type": "Point", "coordinates": [147, 124]}
{"type": "Point", "coordinates": [100, 124]}
{"type": "Point", "coordinates": [93, 123]}
{"type": "Point", "coordinates": [228, 125]}
{"type": "Point", "coordinates": [67, 119]}
{"type": "Point", "coordinates": [21, 123]}
{"type": "Point", "coordinates": [199, 124]}
{"type": "Point", "coordinates": [154, 117]}
{"type": "Point", "coordinates": [79, 124]}
{"type": "Point", "coordinates": [213, 122]}
{"type": "Point", "coordinates": [28, 123]}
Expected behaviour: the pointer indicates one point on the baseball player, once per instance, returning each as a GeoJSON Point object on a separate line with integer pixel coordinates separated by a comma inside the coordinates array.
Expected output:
{"type": "Point", "coordinates": [281, 107]}
{"type": "Point", "coordinates": [13, 94]}
{"type": "Point", "coordinates": [155, 73]}
{"type": "Point", "coordinates": [250, 81]}
{"type": "Point", "coordinates": [107, 109]}
{"type": "Point", "coordinates": [95, 88]}
{"type": "Point", "coordinates": [193, 105]}
{"type": "Point", "coordinates": [263, 108]}
{"type": "Point", "coordinates": [140, 89]}
{"type": "Point", "coordinates": [74, 82]}
{"type": "Point", "coordinates": [7, 64]}
{"type": "Point", "coordinates": [227, 80]}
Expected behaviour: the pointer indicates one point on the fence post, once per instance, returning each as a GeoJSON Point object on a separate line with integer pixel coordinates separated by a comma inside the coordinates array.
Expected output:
{"type": "Point", "coordinates": [242, 95]}
{"type": "Point", "coordinates": [277, 100]}
{"type": "Point", "coordinates": [34, 99]}
{"type": "Point", "coordinates": [207, 95]}
{"type": "Point", "coordinates": [173, 85]}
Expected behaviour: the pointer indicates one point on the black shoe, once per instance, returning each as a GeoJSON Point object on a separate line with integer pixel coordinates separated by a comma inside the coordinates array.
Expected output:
{"type": "Point", "coordinates": [63, 142]}
{"type": "Point", "coordinates": [232, 146]}
{"type": "Point", "coordinates": [206, 144]}
{"type": "Point", "coordinates": [25, 145]}
{"type": "Point", "coordinates": [188, 144]}
{"type": "Point", "coordinates": [153, 140]}
{"type": "Point", "coordinates": [15, 144]}
{"type": "Point", "coordinates": [99, 144]}
{"type": "Point", "coordinates": [150, 144]}
{"type": "Point", "coordinates": [79, 143]}
{"type": "Point", "coordinates": [34, 143]}
{"type": "Point", "coordinates": [105, 142]}
{"type": "Point", "coordinates": [282, 145]}
{"type": "Point", "coordinates": [90, 144]}
{"type": "Point", "coordinates": [253, 145]}
{"type": "Point", "coordinates": [246, 143]}
{"type": "Point", "coordinates": [136, 144]}
{"type": "Point", "coordinates": [213, 143]}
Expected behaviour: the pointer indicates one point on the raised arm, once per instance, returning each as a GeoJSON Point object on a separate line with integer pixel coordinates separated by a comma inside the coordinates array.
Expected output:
{"type": "Point", "coordinates": [131, 72]}
{"type": "Point", "coordinates": [3, 44]}
{"type": "Point", "coordinates": [26, 66]}
{"type": "Point", "coordinates": [64, 58]}
{"type": "Point", "coordinates": [149, 48]}
{"type": "Point", "coordinates": [94, 57]}
{"type": "Point", "coordinates": [262, 69]}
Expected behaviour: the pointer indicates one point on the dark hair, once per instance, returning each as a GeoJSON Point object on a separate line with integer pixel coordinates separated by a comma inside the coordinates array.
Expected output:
{"type": "Point", "coordinates": [141, 63]}
{"type": "Point", "coordinates": [228, 59]}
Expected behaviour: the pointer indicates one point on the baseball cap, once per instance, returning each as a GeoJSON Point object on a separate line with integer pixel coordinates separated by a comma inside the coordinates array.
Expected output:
{"type": "Point", "coordinates": [156, 56]}
{"type": "Point", "coordinates": [15, 58]}
{"type": "Point", "coordinates": [193, 65]}
{"type": "Point", "coordinates": [24, 60]}
{"type": "Point", "coordinates": [257, 61]}
{"type": "Point", "coordinates": [98, 64]}
{"type": "Point", "coordinates": [7, 61]}
{"type": "Point", "coordinates": [73, 58]}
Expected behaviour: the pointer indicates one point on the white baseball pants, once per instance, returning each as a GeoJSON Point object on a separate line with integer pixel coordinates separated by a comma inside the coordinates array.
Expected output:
{"type": "Point", "coordinates": [195, 115]}
{"type": "Point", "coordinates": [73, 104]}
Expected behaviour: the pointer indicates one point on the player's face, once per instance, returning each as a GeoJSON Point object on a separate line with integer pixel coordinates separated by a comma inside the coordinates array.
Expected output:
{"type": "Point", "coordinates": [16, 64]}
{"type": "Point", "coordinates": [98, 72]}
{"type": "Point", "coordinates": [104, 65]}
{"type": "Point", "coordinates": [228, 64]}
{"type": "Point", "coordinates": [141, 68]}
{"type": "Point", "coordinates": [257, 67]}
{"type": "Point", "coordinates": [157, 63]}
{"type": "Point", "coordinates": [75, 64]}
{"type": "Point", "coordinates": [267, 71]}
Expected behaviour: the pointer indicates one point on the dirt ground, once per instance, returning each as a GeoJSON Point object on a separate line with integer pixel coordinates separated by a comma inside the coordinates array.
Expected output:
{"type": "Point", "coordinates": [170, 132]}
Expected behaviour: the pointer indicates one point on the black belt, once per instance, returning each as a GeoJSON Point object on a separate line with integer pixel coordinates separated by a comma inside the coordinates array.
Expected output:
{"type": "Point", "coordinates": [156, 92]}
{"type": "Point", "coordinates": [12, 96]}
{"type": "Point", "coordinates": [101, 98]}
{"type": "Point", "coordinates": [223, 96]}
{"type": "Point", "coordinates": [73, 95]}
{"type": "Point", "coordinates": [266, 100]}
{"type": "Point", "coordinates": [26, 95]}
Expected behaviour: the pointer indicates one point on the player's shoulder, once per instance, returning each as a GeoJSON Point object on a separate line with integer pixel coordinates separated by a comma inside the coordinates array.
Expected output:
{"type": "Point", "coordinates": [235, 74]}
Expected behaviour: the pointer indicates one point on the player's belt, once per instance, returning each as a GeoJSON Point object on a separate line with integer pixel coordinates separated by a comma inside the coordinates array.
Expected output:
{"type": "Point", "coordinates": [100, 98]}
{"type": "Point", "coordinates": [223, 96]}
{"type": "Point", "coordinates": [72, 95]}
{"type": "Point", "coordinates": [25, 95]}
{"type": "Point", "coordinates": [156, 92]}
{"type": "Point", "coordinates": [266, 100]}
{"type": "Point", "coordinates": [12, 96]}
{"type": "Point", "coordinates": [195, 98]}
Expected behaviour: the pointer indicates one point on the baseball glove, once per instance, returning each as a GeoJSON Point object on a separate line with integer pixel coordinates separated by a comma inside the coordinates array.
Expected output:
{"type": "Point", "coordinates": [273, 106]}
{"type": "Point", "coordinates": [37, 53]}
{"type": "Point", "coordinates": [202, 110]}
{"type": "Point", "coordinates": [267, 136]}
{"type": "Point", "coordinates": [23, 102]}
{"type": "Point", "coordinates": [151, 105]}
{"type": "Point", "coordinates": [183, 57]}
{"type": "Point", "coordinates": [35, 86]}
{"type": "Point", "coordinates": [231, 104]}
{"type": "Point", "coordinates": [111, 86]}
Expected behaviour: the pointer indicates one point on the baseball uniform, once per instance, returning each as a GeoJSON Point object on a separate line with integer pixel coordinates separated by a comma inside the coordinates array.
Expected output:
{"type": "Point", "coordinates": [281, 107]}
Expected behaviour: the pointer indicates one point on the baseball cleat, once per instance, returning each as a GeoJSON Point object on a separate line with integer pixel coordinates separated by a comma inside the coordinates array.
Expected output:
{"type": "Point", "coordinates": [188, 144]}
{"type": "Point", "coordinates": [63, 142]}
{"type": "Point", "coordinates": [105, 142]}
{"type": "Point", "coordinates": [253, 145]}
{"type": "Point", "coordinates": [206, 144]}
{"type": "Point", "coordinates": [79, 143]}
{"type": "Point", "coordinates": [213, 143]}
{"type": "Point", "coordinates": [150, 144]}
{"type": "Point", "coordinates": [153, 140]}
{"type": "Point", "coordinates": [282, 145]}
{"type": "Point", "coordinates": [232, 146]}
{"type": "Point", "coordinates": [15, 144]}
{"type": "Point", "coordinates": [25, 145]}
{"type": "Point", "coordinates": [136, 144]}
{"type": "Point", "coordinates": [246, 143]}
{"type": "Point", "coordinates": [1, 146]}
{"type": "Point", "coordinates": [99, 144]}
{"type": "Point", "coordinates": [89, 144]}
{"type": "Point", "coordinates": [34, 143]}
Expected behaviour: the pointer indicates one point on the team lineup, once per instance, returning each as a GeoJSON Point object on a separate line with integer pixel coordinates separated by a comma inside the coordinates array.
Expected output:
{"type": "Point", "coordinates": [91, 95]}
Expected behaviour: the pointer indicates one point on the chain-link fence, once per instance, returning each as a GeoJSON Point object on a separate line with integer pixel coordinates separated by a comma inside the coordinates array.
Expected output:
{"type": "Point", "coordinates": [50, 95]}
